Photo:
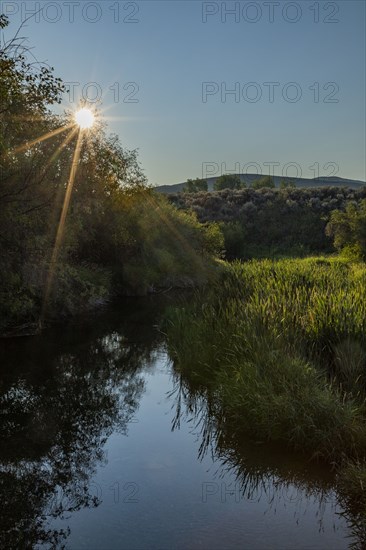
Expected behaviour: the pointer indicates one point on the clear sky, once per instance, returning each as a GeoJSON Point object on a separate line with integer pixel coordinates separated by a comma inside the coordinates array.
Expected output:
{"type": "Point", "coordinates": [164, 68]}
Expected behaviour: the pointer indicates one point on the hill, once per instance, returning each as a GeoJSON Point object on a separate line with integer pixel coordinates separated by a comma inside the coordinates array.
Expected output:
{"type": "Point", "coordinates": [300, 182]}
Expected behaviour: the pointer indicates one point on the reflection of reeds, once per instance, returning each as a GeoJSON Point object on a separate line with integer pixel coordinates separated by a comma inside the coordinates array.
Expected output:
{"type": "Point", "coordinates": [260, 471]}
{"type": "Point", "coordinates": [352, 495]}
{"type": "Point", "coordinates": [279, 347]}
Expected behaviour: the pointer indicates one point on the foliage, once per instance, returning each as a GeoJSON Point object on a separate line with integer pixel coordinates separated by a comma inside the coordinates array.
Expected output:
{"type": "Point", "coordinates": [195, 186]}
{"type": "Point", "coordinates": [235, 239]}
{"type": "Point", "coordinates": [118, 235]}
{"type": "Point", "coordinates": [273, 341]}
{"type": "Point", "coordinates": [286, 184]}
{"type": "Point", "coordinates": [228, 181]}
{"type": "Point", "coordinates": [264, 183]}
{"type": "Point", "coordinates": [271, 222]}
{"type": "Point", "coordinates": [276, 352]}
{"type": "Point", "coordinates": [348, 229]}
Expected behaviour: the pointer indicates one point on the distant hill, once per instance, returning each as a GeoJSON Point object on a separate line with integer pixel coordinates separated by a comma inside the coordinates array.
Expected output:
{"type": "Point", "coordinates": [300, 182]}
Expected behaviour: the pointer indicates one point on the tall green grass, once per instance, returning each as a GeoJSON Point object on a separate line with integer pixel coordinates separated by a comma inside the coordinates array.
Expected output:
{"type": "Point", "coordinates": [281, 345]}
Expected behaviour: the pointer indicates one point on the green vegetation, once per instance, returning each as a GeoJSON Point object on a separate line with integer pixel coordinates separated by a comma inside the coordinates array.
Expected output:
{"type": "Point", "coordinates": [195, 186]}
{"type": "Point", "coordinates": [273, 223]}
{"type": "Point", "coordinates": [349, 230]}
{"type": "Point", "coordinates": [118, 236]}
{"type": "Point", "coordinates": [284, 184]}
{"type": "Point", "coordinates": [264, 183]}
{"type": "Point", "coordinates": [228, 181]}
{"type": "Point", "coordinates": [277, 347]}
{"type": "Point", "coordinates": [280, 347]}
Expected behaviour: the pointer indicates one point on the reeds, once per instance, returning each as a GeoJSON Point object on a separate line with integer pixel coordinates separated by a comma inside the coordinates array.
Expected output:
{"type": "Point", "coordinates": [282, 345]}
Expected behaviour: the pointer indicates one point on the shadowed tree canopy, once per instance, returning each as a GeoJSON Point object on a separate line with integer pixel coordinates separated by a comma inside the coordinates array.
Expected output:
{"type": "Point", "coordinates": [117, 235]}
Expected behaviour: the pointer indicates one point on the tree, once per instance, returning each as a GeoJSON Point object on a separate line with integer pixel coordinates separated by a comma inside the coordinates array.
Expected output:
{"type": "Point", "coordinates": [286, 184]}
{"type": "Point", "coordinates": [235, 239]}
{"type": "Point", "coordinates": [26, 88]}
{"type": "Point", "coordinates": [117, 235]}
{"type": "Point", "coordinates": [228, 181]}
{"type": "Point", "coordinates": [213, 240]}
{"type": "Point", "coordinates": [265, 182]}
{"type": "Point", "coordinates": [28, 177]}
{"type": "Point", "coordinates": [348, 229]}
{"type": "Point", "coordinates": [195, 186]}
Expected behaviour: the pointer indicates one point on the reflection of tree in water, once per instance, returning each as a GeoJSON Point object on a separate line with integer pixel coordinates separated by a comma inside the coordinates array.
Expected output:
{"type": "Point", "coordinates": [57, 410]}
{"type": "Point", "coordinates": [256, 470]}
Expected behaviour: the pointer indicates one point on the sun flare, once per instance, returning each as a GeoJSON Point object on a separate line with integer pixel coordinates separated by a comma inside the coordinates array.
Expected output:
{"type": "Point", "coordinates": [84, 118]}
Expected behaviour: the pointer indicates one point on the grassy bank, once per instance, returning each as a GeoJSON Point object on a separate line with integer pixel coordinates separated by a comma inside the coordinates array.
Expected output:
{"type": "Point", "coordinates": [280, 346]}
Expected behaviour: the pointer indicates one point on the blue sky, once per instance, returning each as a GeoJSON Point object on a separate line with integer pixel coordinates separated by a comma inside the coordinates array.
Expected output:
{"type": "Point", "coordinates": [163, 53]}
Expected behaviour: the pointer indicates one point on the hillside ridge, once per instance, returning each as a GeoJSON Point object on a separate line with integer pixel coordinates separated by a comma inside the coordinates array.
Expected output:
{"type": "Point", "coordinates": [321, 181]}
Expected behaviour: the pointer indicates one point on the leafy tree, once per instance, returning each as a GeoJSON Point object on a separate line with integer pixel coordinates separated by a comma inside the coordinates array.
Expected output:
{"type": "Point", "coordinates": [286, 184]}
{"type": "Point", "coordinates": [265, 182]}
{"type": "Point", "coordinates": [213, 243]}
{"type": "Point", "coordinates": [228, 181]}
{"type": "Point", "coordinates": [28, 178]}
{"type": "Point", "coordinates": [118, 236]}
{"type": "Point", "coordinates": [348, 229]}
{"type": "Point", "coordinates": [26, 90]}
{"type": "Point", "coordinates": [195, 186]}
{"type": "Point", "coordinates": [235, 239]}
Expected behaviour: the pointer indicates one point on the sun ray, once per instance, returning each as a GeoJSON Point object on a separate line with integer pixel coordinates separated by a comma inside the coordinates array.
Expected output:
{"type": "Point", "coordinates": [61, 226]}
{"type": "Point", "coordinates": [187, 247]}
{"type": "Point", "coordinates": [65, 142]}
{"type": "Point", "coordinates": [53, 133]}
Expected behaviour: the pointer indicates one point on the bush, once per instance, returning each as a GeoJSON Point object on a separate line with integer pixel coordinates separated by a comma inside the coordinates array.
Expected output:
{"type": "Point", "coordinates": [348, 229]}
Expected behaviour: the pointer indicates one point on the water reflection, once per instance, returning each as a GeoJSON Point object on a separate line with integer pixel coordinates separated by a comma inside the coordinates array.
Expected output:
{"type": "Point", "coordinates": [259, 472]}
{"type": "Point", "coordinates": [64, 394]}
{"type": "Point", "coordinates": [57, 411]}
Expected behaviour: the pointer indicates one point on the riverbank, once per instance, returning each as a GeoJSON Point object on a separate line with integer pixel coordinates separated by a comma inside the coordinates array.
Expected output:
{"type": "Point", "coordinates": [77, 290]}
{"type": "Point", "coordinates": [103, 442]}
{"type": "Point", "coordinates": [280, 347]}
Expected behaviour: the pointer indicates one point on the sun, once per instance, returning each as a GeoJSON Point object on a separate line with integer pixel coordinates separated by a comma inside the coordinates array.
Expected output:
{"type": "Point", "coordinates": [84, 118]}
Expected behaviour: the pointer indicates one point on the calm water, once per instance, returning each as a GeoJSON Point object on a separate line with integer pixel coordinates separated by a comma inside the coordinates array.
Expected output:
{"type": "Point", "coordinates": [103, 446]}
